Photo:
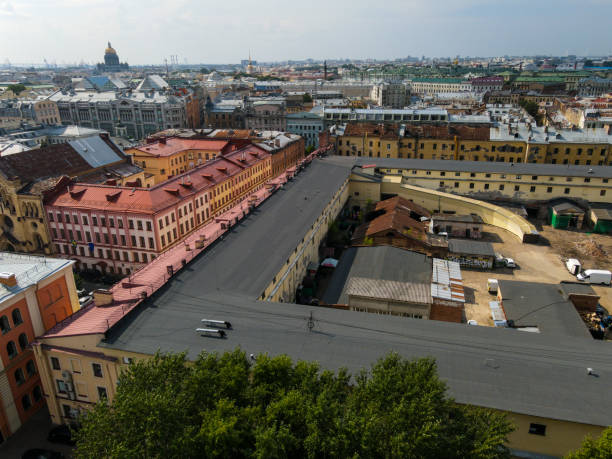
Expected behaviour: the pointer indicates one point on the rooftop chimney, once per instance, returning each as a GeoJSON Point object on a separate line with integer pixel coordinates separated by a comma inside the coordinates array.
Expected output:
{"type": "Point", "coordinates": [8, 279]}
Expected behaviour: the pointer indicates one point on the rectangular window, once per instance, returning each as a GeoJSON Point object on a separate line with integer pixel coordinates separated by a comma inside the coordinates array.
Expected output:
{"type": "Point", "coordinates": [532, 189]}
{"type": "Point", "coordinates": [97, 370]}
{"type": "Point", "coordinates": [61, 386]}
{"type": "Point", "coordinates": [102, 395]}
{"type": "Point", "coordinates": [537, 429]}
{"type": "Point", "coordinates": [55, 364]}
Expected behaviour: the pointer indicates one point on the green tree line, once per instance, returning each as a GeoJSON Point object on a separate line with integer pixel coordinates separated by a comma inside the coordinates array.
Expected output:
{"type": "Point", "coordinates": [226, 405]}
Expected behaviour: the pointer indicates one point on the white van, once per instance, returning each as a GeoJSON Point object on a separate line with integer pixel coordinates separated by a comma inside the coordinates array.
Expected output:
{"type": "Point", "coordinates": [573, 266]}
{"type": "Point", "coordinates": [595, 276]}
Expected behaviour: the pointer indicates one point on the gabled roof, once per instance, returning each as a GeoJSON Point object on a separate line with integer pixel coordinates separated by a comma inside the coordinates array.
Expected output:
{"type": "Point", "coordinates": [71, 159]}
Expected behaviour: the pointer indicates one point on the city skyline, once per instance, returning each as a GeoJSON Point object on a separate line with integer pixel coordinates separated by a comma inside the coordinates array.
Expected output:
{"type": "Point", "coordinates": [69, 31]}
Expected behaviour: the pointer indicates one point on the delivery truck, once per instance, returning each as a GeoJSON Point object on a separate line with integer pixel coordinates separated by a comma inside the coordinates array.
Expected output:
{"type": "Point", "coordinates": [595, 276]}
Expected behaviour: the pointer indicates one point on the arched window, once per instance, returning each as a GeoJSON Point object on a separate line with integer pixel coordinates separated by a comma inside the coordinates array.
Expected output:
{"type": "Point", "coordinates": [26, 402]}
{"type": "Point", "coordinates": [11, 349]}
{"type": "Point", "coordinates": [17, 317]}
{"type": "Point", "coordinates": [19, 378]}
{"type": "Point", "coordinates": [23, 341]}
{"type": "Point", "coordinates": [30, 368]}
{"type": "Point", "coordinates": [4, 324]}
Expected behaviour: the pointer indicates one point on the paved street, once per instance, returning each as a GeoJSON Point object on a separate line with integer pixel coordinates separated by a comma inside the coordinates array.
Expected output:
{"type": "Point", "coordinates": [33, 434]}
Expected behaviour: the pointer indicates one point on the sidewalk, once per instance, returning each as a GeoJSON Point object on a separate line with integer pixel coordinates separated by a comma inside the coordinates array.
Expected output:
{"type": "Point", "coordinates": [32, 434]}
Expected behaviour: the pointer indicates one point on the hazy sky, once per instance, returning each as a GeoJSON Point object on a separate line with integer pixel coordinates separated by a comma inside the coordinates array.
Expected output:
{"type": "Point", "coordinates": [203, 31]}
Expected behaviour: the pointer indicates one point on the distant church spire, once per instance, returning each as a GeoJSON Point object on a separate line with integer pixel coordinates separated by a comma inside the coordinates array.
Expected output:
{"type": "Point", "coordinates": [109, 45]}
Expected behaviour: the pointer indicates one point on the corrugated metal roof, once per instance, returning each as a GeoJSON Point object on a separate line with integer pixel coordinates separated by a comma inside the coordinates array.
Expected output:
{"type": "Point", "coordinates": [446, 280]}
{"type": "Point", "coordinates": [409, 292]}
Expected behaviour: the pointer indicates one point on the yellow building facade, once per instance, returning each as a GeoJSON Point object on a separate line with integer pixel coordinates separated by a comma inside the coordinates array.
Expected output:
{"type": "Point", "coordinates": [516, 183]}
{"type": "Point", "coordinates": [168, 157]}
{"type": "Point", "coordinates": [500, 150]}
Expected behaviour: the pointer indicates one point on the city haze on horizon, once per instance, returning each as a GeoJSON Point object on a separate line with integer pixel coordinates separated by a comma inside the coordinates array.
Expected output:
{"type": "Point", "coordinates": [73, 31]}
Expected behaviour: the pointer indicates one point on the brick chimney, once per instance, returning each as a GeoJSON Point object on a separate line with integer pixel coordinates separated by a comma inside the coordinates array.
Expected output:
{"type": "Point", "coordinates": [102, 297]}
{"type": "Point", "coordinates": [8, 279]}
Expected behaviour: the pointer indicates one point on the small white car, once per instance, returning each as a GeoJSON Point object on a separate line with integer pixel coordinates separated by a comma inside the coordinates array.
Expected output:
{"type": "Point", "coordinates": [472, 322]}
{"type": "Point", "coordinates": [510, 263]}
{"type": "Point", "coordinates": [84, 301]}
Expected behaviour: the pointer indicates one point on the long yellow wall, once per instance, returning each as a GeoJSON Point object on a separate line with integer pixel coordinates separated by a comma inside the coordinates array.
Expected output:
{"type": "Point", "coordinates": [438, 201]}
{"type": "Point", "coordinates": [284, 284]}
{"type": "Point", "coordinates": [560, 437]}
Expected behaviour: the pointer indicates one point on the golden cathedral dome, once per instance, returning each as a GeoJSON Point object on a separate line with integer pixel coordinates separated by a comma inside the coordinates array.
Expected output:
{"type": "Point", "coordinates": [110, 49]}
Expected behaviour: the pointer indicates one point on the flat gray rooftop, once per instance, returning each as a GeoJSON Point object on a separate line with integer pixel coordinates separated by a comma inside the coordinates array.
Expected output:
{"type": "Point", "coordinates": [532, 373]}
{"type": "Point", "coordinates": [542, 305]}
{"type": "Point", "coordinates": [489, 167]}
{"type": "Point", "coordinates": [383, 262]}
{"type": "Point", "coordinates": [254, 251]}
{"type": "Point", "coordinates": [540, 374]}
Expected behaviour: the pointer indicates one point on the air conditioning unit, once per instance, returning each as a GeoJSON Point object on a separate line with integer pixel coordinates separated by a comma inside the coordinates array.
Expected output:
{"type": "Point", "coordinates": [67, 375]}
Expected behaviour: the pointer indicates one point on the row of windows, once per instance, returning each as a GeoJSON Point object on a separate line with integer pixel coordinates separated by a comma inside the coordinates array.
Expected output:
{"type": "Point", "coordinates": [494, 148]}
{"type": "Point", "coordinates": [5, 326]}
{"type": "Point", "coordinates": [96, 368]}
{"type": "Point", "coordinates": [503, 176]}
{"type": "Point", "coordinates": [26, 401]}
{"type": "Point", "coordinates": [501, 187]}
{"type": "Point", "coordinates": [139, 224]}
{"type": "Point", "coordinates": [109, 254]}
{"type": "Point", "coordinates": [11, 348]}
{"type": "Point", "coordinates": [30, 370]}
{"type": "Point", "coordinates": [120, 239]}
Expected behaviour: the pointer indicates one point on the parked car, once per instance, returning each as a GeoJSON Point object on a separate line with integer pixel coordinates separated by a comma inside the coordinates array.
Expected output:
{"type": "Point", "coordinates": [472, 322]}
{"type": "Point", "coordinates": [509, 262]}
{"type": "Point", "coordinates": [84, 301]}
{"type": "Point", "coordinates": [61, 434]}
{"type": "Point", "coordinates": [595, 276]}
{"type": "Point", "coordinates": [81, 292]}
{"type": "Point", "coordinates": [39, 453]}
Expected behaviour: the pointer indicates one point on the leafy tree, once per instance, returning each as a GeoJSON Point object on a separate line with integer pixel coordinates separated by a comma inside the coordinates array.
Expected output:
{"type": "Point", "coordinates": [226, 406]}
{"type": "Point", "coordinates": [600, 448]}
{"type": "Point", "coordinates": [306, 98]}
{"type": "Point", "coordinates": [309, 149]}
{"type": "Point", "coordinates": [16, 88]}
{"type": "Point", "coordinates": [204, 70]}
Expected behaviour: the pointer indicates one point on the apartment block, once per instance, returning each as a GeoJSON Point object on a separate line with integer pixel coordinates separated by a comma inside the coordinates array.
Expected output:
{"type": "Point", "coordinates": [36, 293]}
{"type": "Point", "coordinates": [167, 157]}
{"type": "Point", "coordinates": [27, 176]}
{"type": "Point", "coordinates": [117, 229]}
{"type": "Point", "coordinates": [517, 142]}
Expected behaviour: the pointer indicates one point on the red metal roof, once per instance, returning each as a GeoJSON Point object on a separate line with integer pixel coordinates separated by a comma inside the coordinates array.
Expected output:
{"type": "Point", "coordinates": [163, 195]}
{"type": "Point", "coordinates": [173, 145]}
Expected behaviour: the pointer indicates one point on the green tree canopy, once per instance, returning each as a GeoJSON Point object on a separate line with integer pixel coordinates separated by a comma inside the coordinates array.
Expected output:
{"type": "Point", "coordinates": [306, 98]}
{"type": "Point", "coordinates": [16, 88]}
{"type": "Point", "coordinates": [225, 406]}
{"type": "Point", "coordinates": [600, 448]}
